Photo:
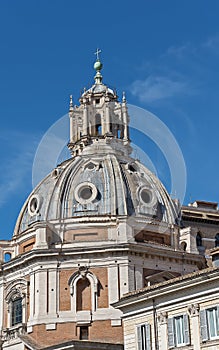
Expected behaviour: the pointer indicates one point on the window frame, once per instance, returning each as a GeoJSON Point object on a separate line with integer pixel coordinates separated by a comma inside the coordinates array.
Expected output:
{"type": "Point", "coordinates": [143, 331]}
{"type": "Point", "coordinates": [205, 323]}
{"type": "Point", "coordinates": [16, 318]}
{"type": "Point", "coordinates": [173, 339]}
{"type": "Point", "coordinates": [84, 333]}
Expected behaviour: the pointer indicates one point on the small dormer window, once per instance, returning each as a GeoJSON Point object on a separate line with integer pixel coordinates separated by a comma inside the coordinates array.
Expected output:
{"type": "Point", "coordinates": [90, 166]}
{"type": "Point", "coordinates": [97, 101]}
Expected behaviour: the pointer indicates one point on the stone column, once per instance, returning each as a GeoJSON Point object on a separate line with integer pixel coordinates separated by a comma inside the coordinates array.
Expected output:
{"type": "Point", "coordinates": [195, 331]}
{"type": "Point", "coordinates": [85, 120]}
{"type": "Point", "coordinates": [125, 120]}
{"type": "Point", "coordinates": [72, 134]}
{"type": "Point", "coordinates": [107, 126]}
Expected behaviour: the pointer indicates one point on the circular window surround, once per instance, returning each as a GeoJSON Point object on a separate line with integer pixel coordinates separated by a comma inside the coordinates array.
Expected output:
{"type": "Point", "coordinates": [85, 192]}
{"type": "Point", "coordinates": [34, 205]}
{"type": "Point", "coordinates": [147, 196]}
{"type": "Point", "coordinates": [91, 166]}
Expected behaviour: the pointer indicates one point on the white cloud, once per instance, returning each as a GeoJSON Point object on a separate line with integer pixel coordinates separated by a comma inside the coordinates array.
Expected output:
{"type": "Point", "coordinates": [179, 51]}
{"type": "Point", "coordinates": [155, 88]}
{"type": "Point", "coordinates": [212, 43]}
{"type": "Point", "coordinates": [180, 69]}
{"type": "Point", "coordinates": [16, 164]}
{"type": "Point", "coordinates": [15, 172]}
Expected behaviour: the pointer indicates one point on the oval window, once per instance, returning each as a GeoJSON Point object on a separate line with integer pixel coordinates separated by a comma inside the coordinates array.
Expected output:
{"type": "Point", "coordinates": [90, 166]}
{"type": "Point", "coordinates": [34, 205]}
{"type": "Point", "coordinates": [146, 196]}
{"type": "Point", "coordinates": [85, 192]}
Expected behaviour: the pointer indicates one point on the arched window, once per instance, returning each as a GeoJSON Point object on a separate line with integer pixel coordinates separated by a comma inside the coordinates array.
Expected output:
{"type": "Point", "coordinates": [83, 289]}
{"type": "Point", "coordinates": [15, 298]}
{"type": "Point", "coordinates": [98, 124]}
{"type": "Point", "coordinates": [7, 257]}
{"type": "Point", "coordinates": [183, 246]}
{"type": "Point", "coordinates": [16, 311]}
{"type": "Point", "coordinates": [198, 240]}
{"type": "Point", "coordinates": [83, 295]}
{"type": "Point", "coordinates": [217, 240]}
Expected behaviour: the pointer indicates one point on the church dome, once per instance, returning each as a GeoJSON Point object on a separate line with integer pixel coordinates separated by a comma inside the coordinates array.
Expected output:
{"type": "Point", "coordinates": [98, 184]}
{"type": "Point", "coordinates": [98, 89]}
{"type": "Point", "coordinates": [101, 179]}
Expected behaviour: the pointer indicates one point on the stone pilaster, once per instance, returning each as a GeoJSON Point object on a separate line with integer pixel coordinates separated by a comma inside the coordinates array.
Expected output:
{"type": "Point", "coordinates": [193, 310]}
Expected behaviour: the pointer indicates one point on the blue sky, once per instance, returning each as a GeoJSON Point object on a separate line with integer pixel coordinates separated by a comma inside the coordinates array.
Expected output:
{"type": "Point", "coordinates": [164, 54]}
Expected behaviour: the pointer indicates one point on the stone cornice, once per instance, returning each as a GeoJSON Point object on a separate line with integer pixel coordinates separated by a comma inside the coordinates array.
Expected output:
{"type": "Point", "coordinates": [168, 287]}
{"type": "Point", "coordinates": [112, 248]}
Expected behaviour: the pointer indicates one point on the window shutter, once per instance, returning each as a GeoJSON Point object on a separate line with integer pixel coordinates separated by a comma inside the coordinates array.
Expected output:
{"type": "Point", "coordinates": [203, 325]}
{"type": "Point", "coordinates": [148, 336]}
{"type": "Point", "coordinates": [186, 329]}
{"type": "Point", "coordinates": [139, 338]}
{"type": "Point", "coordinates": [218, 320]}
{"type": "Point", "coordinates": [171, 335]}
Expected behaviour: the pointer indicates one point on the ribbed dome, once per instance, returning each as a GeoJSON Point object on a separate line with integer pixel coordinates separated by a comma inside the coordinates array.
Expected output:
{"type": "Point", "coordinates": [99, 89]}
{"type": "Point", "coordinates": [101, 180]}
{"type": "Point", "coordinates": [98, 183]}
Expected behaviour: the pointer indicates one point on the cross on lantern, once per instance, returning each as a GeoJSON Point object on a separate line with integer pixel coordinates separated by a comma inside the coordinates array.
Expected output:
{"type": "Point", "coordinates": [97, 53]}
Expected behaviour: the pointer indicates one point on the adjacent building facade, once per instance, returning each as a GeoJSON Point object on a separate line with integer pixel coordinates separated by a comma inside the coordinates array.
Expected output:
{"type": "Point", "coordinates": [99, 226]}
{"type": "Point", "coordinates": [180, 313]}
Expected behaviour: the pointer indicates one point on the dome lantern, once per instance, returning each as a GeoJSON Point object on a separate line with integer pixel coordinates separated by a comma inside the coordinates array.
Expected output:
{"type": "Point", "coordinates": [100, 117]}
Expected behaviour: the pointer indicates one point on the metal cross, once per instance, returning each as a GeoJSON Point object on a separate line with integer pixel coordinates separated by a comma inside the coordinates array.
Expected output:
{"type": "Point", "coordinates": [97, 53]}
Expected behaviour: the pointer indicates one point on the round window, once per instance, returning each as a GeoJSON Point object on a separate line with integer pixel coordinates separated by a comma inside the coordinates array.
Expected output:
{"type": "Point", "coordinates": [85, 192]}
{"type": "Point", "coordinates": [90, 166]}
{"type": "Point", "coordinates": [146, 196]}
{"type": "Point", "coordinates": [34, 205]}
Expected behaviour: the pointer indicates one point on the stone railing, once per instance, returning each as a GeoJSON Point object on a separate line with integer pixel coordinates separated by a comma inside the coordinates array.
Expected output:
{"type": "Point", "coordinates": [13, 332]}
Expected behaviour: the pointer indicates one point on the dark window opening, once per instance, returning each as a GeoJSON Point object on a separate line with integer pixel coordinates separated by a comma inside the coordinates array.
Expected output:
{"type": "Point", "coordinates": [99, 130]}
{"type": "Point", "coordinates": [16, 312]}
{"type": "Point", "coordinates": [98, 125]}
{"type": "Point", "coordinates": [84, 333]}
{"type": "Point", "coordinates": [199, 240]}
{"type": "Point", "coordinates": [217, 240]}
{"type": "Point", "coordinates": [97, 101]}
{"type": "Point", "coordinates": [183, 246]}
{"type": "Point", "coordinates": [85, 192]}
{"type": "Point", "coordinates": [90, 166]}
{"type": "Point", "coordinates": [146, 196]}
{"type": "Point", "coordinates": [132, 168]}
